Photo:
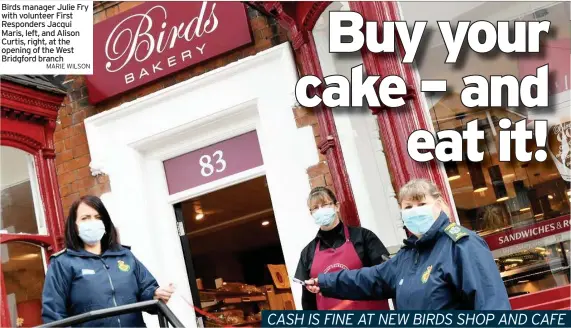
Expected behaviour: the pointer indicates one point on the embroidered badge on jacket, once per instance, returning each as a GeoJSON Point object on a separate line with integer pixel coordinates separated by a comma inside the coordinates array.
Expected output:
{"type": "Point", "coordinates": [123, 266]}
{"type": "Point", "coordinates": [426, 274]}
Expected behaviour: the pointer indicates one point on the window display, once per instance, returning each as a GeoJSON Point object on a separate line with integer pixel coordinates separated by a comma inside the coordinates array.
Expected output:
{"type": "Point", "coordinates": [21, 214]}
{"type": "Point", "coordinates": [21, 208]}
{"type": "Point", "coordinates": [520, 209]}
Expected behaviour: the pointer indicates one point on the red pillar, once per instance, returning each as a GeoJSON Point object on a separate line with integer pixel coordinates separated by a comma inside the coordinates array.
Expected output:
{"type": "Point", "coordinates": [299, 18]}
{"type": "Point", "coordinates": [329, 146]}
{"type": "Point", "coordinates": [4, 312]}
{"type": "Point", "coordinates": [397, 124]}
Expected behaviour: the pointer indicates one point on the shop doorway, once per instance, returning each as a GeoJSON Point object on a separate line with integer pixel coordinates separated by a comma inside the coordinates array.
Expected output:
{"type": "Point", "coordinates": [233, 254]}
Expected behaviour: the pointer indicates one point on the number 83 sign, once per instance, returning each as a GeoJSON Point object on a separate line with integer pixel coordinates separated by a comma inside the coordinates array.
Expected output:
{"type": "Point", "coordinates": [208, 168]}
{"type": "Point", "coordinates": [213, 162]}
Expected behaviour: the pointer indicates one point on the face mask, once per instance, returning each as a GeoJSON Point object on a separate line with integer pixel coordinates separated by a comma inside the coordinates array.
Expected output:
{"type": "Point", "coordinates": [91, 231]}
{"type": "Point", "coordinates": [324, 216]}
{"type": "Point", "coordinates": [418, 219]}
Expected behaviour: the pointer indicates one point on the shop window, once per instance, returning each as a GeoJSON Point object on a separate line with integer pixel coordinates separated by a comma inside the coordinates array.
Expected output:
{"type": "Point", "coordinates": [23, 238]}
{"type": "Point", "coordinates": [23, 270]}
{"type": "Point", "coordinates": [22, 210]}
{"type": "Point", "coordinates": [520, 209]}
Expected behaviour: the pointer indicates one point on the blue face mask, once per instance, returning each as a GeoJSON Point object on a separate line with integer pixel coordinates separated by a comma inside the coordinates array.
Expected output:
{"type": "Point", "coordinates": [91, 231]}
{"type": "Point", "coordinates": [418, 220]}
{"type": "Point", "coordinates": [324, 216]}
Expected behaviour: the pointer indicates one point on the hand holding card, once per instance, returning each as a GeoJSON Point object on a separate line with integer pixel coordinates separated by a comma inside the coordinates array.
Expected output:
{"type": "Point", "coordinates": [297, 281]}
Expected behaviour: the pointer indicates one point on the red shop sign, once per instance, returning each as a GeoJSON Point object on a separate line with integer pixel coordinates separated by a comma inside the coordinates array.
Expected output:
{"type": "Point", "coordinates": [155, 39]}
{"type": "Point", "coordinates": [535, 231]}
{"type": "Point", "coordinates": [214, 162]}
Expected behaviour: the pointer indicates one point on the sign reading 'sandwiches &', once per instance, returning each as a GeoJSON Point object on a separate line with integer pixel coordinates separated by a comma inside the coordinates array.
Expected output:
{"type": "Point", "coordinates": [524, 234]}
{"type": "Point", "coordinates": [156, 39]}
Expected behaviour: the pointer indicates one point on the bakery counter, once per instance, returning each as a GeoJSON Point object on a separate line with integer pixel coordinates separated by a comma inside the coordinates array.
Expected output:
{"type": "Point", "coordinates": [234, 304]}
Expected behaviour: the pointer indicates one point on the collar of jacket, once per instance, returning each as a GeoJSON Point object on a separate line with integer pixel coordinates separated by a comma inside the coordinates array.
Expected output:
{"type": "Point", "coordinates": [120, 250]}
{"type": "Point", "coordinates": [431, 235]}
{"type": "Point", "coordinates": [338, 230]}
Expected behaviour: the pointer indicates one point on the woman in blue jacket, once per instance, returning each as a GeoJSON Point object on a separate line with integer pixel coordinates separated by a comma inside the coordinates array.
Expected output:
{"type": "Point", "coordinates": [95, 272]}
{"type": "Point", "coordinates": [442, 266]}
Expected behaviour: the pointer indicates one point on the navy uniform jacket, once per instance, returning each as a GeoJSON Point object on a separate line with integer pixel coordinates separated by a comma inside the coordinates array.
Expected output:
{"type": "Point", "coordinates": [79, 281]}
{"type": "Point", "coordinates": [449, 268]}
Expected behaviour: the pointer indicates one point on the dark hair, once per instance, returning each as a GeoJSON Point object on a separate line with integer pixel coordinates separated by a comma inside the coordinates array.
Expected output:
{"type": "Point", "coordinates": [110, 239]}
{"type": "Point", "coordinates": [320, 193]}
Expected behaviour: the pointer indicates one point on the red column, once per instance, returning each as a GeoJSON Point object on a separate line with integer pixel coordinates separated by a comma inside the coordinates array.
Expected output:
{"type": "Point", "coordinates": [4, 311]}
{"type": "Point", "coordinates": [396, 124]}
{"type": "Point", "coordinates": [299, 18]}
{"type": "Point", "coordinates": [329, 146]}
{"type": "Point", "coordinates": [51, 183]}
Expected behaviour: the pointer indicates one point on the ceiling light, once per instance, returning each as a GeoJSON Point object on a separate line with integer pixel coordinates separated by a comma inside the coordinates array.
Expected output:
{"type": "Point", "coordinates": [265, 223]}
{"type": "Point", "coordinates": [550, 197]}
{"type": "Point", "coordinates": [502, 199]}
{"type": "Point", "coordinates": [199, 216]}
{"type": "Point", "coordinates": [524, 209]}
{"type": "Point", "coordinates": [455, 177]}
{"type": "Point", "coordinates": [481, 189]}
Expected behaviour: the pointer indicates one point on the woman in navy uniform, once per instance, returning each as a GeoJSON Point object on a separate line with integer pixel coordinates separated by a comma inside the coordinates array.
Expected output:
{"type": "Point", "coordinates": [442, 266]}
{"type": "Point", "coordinates": [95, 272]}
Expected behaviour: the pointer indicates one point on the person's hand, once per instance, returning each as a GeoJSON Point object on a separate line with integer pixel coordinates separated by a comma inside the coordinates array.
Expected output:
{"type": "Point", "coordinates": [164, 293]}
{"type": "Point", "coordinates": [312, 285]}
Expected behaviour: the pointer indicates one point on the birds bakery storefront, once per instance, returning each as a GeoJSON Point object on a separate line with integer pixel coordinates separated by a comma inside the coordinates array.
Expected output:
{"type": "Point", "coordinates": [208, 174]}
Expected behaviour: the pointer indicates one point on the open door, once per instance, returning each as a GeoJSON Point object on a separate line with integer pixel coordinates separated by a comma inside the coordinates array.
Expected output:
{"type": "Point", "coordinates": [233, 254]}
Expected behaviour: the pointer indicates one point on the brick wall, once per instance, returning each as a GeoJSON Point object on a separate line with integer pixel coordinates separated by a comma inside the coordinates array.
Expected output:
{"type": "Point", "coordinates": [72, 151]}
{"type": "Point", "coordinates": [319, 175]}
